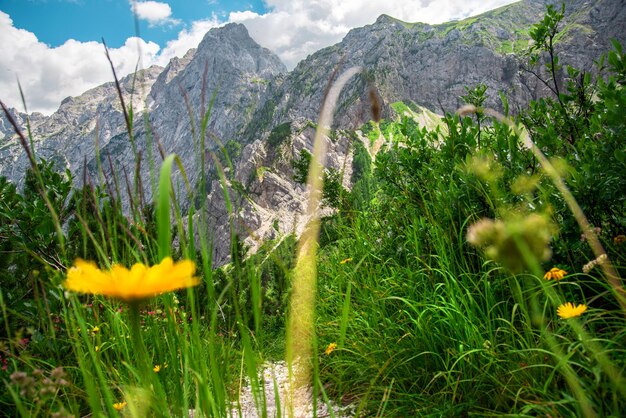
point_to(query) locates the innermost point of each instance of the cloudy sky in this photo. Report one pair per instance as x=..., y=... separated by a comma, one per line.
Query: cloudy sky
x=54, y=46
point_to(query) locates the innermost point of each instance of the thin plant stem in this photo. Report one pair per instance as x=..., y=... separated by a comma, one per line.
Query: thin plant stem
x=300, y=324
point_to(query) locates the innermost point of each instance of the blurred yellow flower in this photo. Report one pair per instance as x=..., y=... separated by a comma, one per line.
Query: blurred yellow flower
x=568, y=310
x=96, y=329
x=620, y=239
x=331, y=347
x=97, y=348
x=344, y=261
x=157, y=368
x=119, y=406
x=555, y=273
x=139, y=282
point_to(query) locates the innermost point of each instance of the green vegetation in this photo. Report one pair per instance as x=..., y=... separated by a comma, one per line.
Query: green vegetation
x=443, y=275
x=279, y=134
x=333, y=192
x=515, y=46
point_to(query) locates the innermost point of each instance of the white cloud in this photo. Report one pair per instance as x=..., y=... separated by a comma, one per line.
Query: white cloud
x=48, y=75
x=155, y=12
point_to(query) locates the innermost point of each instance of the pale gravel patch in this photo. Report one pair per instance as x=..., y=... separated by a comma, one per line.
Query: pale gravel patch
x=276, y=375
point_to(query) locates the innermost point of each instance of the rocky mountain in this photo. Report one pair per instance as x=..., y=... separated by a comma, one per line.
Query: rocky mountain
x=72, y=133
x=407, y=62
x=263, y=114
x=432, y=64
x=228, y=69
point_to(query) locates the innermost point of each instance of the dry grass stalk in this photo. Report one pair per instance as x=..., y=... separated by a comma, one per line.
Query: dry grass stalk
x=300, y=324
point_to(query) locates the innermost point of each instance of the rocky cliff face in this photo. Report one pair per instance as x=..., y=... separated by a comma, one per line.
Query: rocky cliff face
x=71, y=134
x=228, y=73
x=425, y=64
x=432, y=64
x=267, y=202
x=227, y=63
x=252, y=93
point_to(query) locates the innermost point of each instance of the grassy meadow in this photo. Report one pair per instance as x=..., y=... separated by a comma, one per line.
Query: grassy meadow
x=475, y=268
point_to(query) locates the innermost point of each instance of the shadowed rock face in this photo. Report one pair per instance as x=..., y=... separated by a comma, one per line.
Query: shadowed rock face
x=251, y=93
x=229, y=70
x=432, y=64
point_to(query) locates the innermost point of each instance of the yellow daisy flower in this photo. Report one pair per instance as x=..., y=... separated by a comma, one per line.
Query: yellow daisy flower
x=568, y=310
x=119, y=406
x=331, y=347
x=555, y=273
x=139, y=282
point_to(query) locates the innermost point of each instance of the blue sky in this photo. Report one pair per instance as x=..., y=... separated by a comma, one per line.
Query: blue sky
x=56, y=21
x=54, y=46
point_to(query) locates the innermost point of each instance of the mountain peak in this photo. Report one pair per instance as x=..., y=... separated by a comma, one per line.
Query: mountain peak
x=385, y=20
x=234, y=28
x=231, y=43
x=232, y=33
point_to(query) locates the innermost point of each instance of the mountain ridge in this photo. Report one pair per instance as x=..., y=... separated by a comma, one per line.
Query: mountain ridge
x=256, y=98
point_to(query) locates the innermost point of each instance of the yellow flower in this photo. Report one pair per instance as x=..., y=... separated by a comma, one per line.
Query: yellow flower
x=157, y=368
x=555, y=273
x=97, y=348
x=331, y=347
x=139, y=282
x=96, y=329
x=347, y=260
x=119, y=406
x=568, y=310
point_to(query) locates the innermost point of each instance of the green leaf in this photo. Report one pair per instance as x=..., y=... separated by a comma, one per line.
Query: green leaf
x=162, y=203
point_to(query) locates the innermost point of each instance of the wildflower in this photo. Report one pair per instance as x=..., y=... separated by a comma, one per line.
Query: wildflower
x=590, y=265
x=157, y=368
x=500, y=239
x=96, y=329
x=57, y=373
x=589, y=233
x=555, y=273
x=568, y=310
x=619, y=240
x=97, y=349
x=344, y=261
x=119, y=406
x=331, y=347
x=139, y=282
